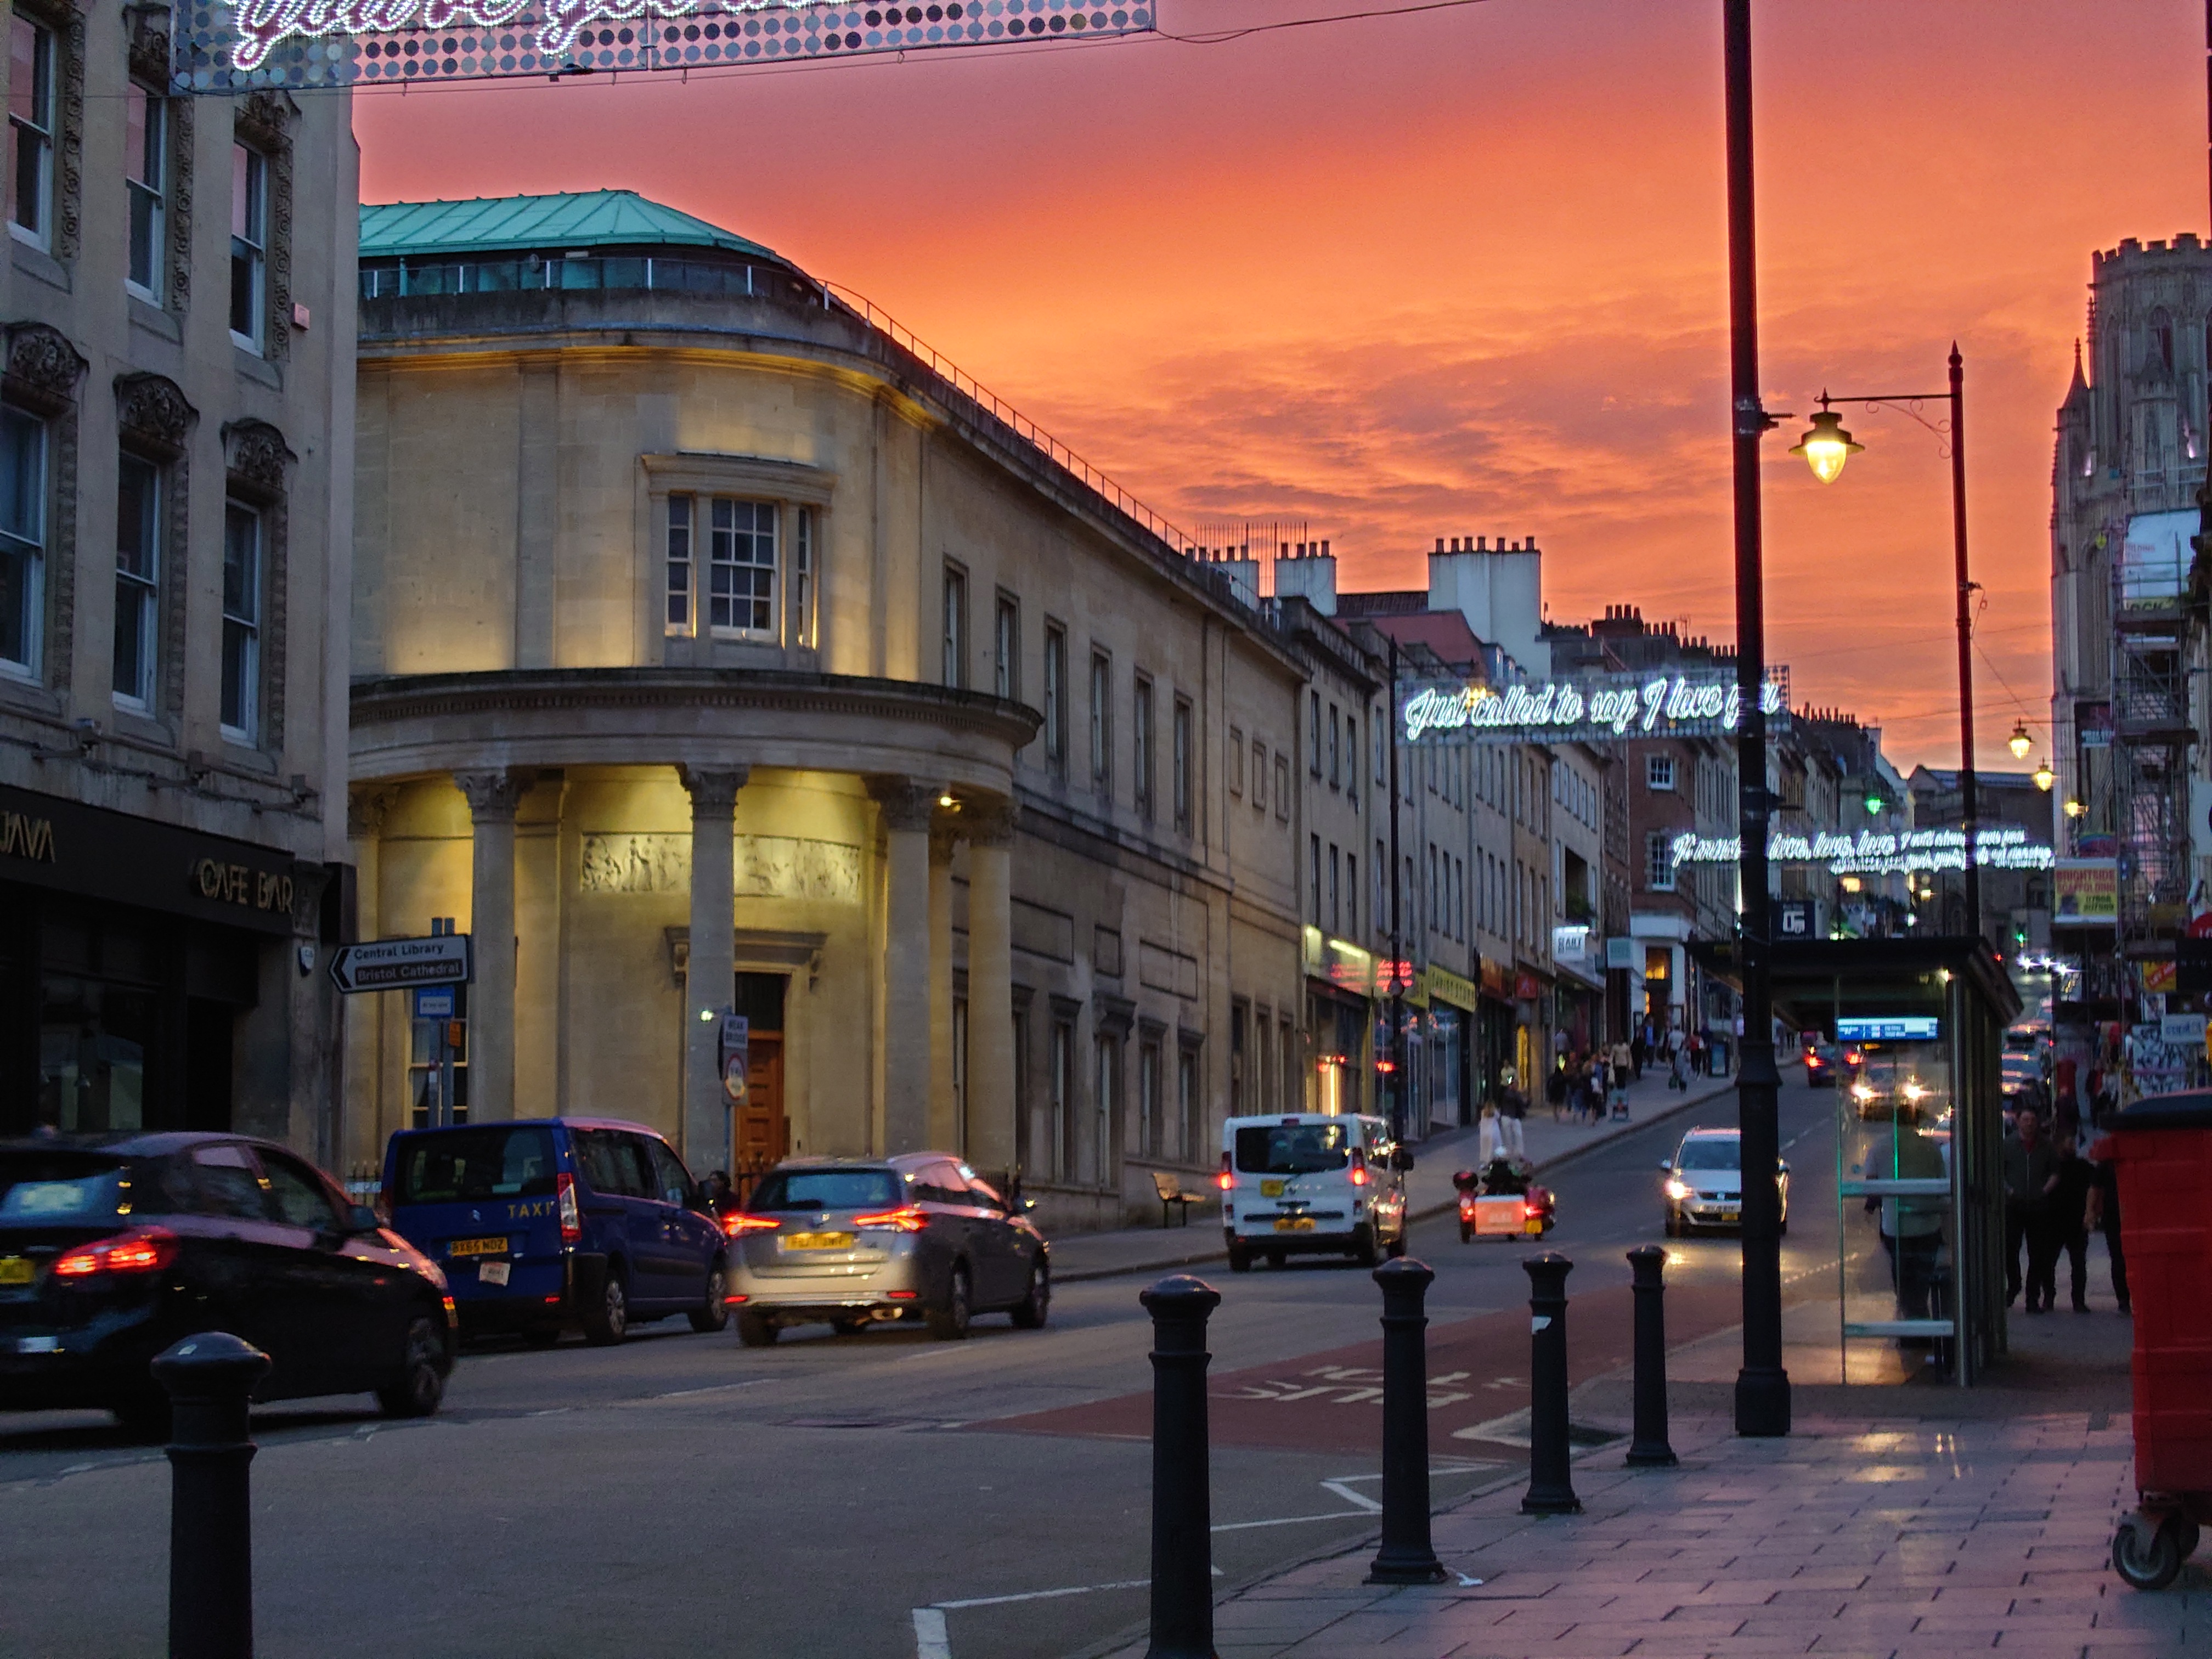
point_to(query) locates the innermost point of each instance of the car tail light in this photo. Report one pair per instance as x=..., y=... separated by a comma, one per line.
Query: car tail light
x=734, y=1300
x=900, y=1296
x=907, y=1219
x=736, y=1224
x=1227, y=1179
x=143, y=1250
x=572, y=1219
x=1359, y=1167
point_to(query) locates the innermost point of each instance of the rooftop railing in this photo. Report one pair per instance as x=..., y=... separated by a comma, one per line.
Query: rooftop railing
x=634, y=273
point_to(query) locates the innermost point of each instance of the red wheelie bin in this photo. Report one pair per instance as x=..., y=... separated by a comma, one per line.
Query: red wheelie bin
x=2162, y=1146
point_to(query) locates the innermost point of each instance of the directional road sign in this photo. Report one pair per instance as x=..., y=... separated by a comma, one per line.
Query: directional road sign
x=395, y=964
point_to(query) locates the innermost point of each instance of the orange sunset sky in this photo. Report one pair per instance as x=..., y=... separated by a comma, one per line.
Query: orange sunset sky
x=1463, y=272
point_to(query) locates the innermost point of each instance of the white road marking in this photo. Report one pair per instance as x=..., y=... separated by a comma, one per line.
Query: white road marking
x=930, y=1640
x=1357, y=1499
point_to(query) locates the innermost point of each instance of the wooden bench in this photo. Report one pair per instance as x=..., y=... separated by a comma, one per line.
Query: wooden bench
x=1172, y=1195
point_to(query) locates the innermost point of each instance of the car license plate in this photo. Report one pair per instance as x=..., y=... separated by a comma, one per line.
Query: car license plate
x=493, y=1273
x=476, y=1247
x=1294, y=1224
x=15, y=1270
x=1271, y=1189
x=1728, y=1213
x=817, y=1241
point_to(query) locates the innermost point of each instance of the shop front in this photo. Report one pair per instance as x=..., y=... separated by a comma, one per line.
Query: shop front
x=152, y=976
x=1578, y=957
x=1448, y=1037
x=1494, y=1028
x=1340, y=1023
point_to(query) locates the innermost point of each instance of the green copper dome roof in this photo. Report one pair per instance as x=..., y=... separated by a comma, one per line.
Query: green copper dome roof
x=551, y=224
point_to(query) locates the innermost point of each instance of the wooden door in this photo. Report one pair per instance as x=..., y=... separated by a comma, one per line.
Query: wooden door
x=764, y=1136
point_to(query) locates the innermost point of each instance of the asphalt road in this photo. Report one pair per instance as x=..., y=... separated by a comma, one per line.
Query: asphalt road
x=682, y=1495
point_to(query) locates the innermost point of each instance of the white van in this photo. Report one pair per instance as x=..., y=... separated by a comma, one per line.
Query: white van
x=1305, y=1183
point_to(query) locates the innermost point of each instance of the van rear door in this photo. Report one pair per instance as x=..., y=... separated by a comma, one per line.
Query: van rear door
x=481, y=1200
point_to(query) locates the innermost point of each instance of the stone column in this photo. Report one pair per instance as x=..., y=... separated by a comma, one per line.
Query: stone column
x=943, y=1133
x=361, y=1109
x=710, y=981
x=906, y=807
x=492, y=797
x=992, y=1095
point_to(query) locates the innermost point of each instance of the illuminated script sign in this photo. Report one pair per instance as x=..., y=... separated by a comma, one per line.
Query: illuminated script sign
x=2000, y=846
x=1596, y=709
x=234, y=45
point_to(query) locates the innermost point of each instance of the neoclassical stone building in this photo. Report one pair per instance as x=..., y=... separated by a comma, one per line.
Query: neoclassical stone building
x=713, y=649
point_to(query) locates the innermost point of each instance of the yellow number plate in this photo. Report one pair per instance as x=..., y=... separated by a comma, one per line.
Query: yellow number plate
x=476, y=1247
x=1294, y=1224
x=1271, y=1189
x=15, y=1270
x=817, y=1241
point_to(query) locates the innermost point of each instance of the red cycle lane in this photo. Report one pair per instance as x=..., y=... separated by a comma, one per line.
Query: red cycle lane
x=1332, y=1401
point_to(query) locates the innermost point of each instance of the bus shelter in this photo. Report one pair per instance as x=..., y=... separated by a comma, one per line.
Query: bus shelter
x=1919, y=1025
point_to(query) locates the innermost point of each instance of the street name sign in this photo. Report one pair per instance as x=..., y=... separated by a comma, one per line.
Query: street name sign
x=397, y=964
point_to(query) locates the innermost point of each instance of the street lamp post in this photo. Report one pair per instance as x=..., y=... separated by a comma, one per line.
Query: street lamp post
x=1826, y=447
x=1762, y=1387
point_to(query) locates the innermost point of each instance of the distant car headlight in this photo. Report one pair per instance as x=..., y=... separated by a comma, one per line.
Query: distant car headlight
x=1916, y=1091
x=1861, y=1092
x=1677, y=1189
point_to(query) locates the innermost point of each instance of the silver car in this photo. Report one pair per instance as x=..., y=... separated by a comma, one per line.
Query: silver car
x=1705, y=1182
x=854, y=1242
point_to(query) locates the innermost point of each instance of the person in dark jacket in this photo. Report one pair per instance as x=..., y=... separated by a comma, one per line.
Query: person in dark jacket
x=2068, y=1220
x=2031, y=1174
x=2102, y=1214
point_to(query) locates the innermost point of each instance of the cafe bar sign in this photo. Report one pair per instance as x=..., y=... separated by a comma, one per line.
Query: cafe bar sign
x=238, y=45
x=1595, y=708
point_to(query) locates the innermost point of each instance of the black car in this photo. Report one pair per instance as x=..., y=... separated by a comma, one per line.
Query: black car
x=113, y=1247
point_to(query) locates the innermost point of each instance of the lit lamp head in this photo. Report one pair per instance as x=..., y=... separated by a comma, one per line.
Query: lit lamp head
x=1825, y=446
x=1873, y=805
x=2020, y=743
x=2044, y=776
x=2075, y=809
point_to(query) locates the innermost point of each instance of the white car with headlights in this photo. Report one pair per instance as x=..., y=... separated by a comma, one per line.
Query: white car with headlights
x=1705, y=1182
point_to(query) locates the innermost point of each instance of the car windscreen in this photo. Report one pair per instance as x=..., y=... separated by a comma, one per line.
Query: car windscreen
x=827, y=1189
x=1715, y=1154
x=491, y=1161
x=1292, y=1148
x=58, y=1188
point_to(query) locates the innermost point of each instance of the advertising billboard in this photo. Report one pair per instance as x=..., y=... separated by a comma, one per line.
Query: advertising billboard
x=2085, y=892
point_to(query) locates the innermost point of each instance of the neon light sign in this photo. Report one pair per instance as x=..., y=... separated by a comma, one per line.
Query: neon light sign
x=2000, y=846
x=1600, y=709
x=235, y=45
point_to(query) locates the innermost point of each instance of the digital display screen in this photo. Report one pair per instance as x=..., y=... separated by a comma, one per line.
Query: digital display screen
x=1892, y=1028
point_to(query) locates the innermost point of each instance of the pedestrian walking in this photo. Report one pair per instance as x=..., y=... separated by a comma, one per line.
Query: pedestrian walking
x=1617, y=1093
x=1555, y=1088
x=1638, y=1049
x=1486, y=1136
x=1678, y=1060
x=1912, y=1227
x=2102, y=1214
x=2031, y=1174
x=1510, y=1116
x=2069, y=1220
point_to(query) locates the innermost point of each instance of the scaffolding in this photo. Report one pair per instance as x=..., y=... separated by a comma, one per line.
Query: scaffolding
x=2152, y=732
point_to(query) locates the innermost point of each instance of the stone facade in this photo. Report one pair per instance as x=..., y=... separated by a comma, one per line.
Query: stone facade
x=176, y=414
x=713, y=651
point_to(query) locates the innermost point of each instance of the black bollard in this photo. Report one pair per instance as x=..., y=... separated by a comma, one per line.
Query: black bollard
x=1649, y=1449
x=1406, y=1556
x=1551, y=1483
x=1182, y=1505
x=209, y=1378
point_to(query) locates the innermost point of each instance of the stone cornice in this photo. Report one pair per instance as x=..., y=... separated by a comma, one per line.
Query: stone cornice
x=416, y=697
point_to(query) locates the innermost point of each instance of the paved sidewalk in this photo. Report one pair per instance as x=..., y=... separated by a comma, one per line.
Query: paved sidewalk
x=1858, y=1537
x=1549, y=1143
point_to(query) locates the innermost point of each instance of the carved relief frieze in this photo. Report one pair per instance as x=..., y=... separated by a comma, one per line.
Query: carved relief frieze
x=766, y=866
